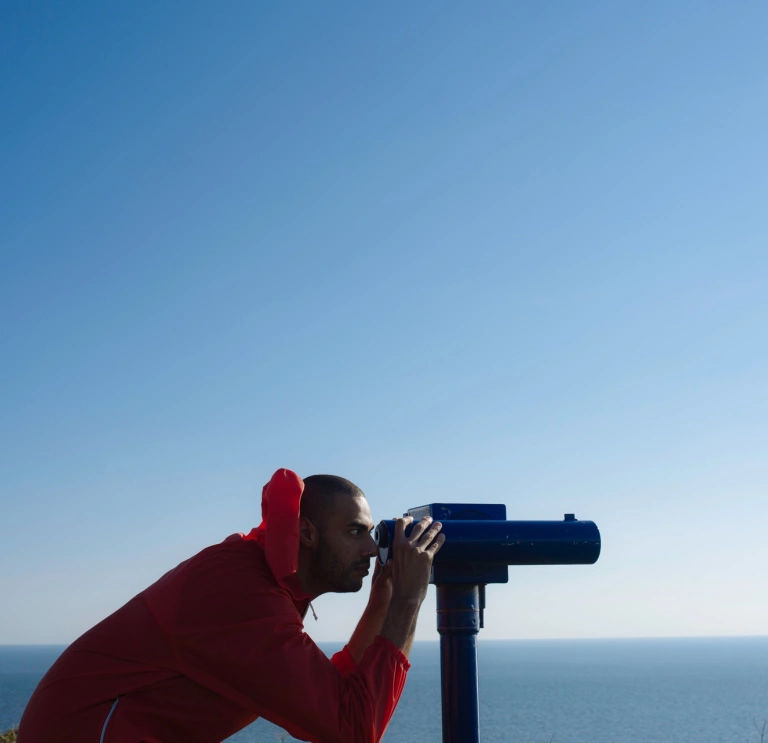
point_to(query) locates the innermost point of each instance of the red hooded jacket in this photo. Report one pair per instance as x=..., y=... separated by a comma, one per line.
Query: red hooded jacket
x=214, y=644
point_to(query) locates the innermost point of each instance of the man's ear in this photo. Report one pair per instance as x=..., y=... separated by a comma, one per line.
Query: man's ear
x=309, y=534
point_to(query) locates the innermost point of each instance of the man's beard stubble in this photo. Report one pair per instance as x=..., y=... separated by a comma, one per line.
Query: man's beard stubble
x=335, y=573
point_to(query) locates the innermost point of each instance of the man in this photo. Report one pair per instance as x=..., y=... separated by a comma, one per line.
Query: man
x=218, y=641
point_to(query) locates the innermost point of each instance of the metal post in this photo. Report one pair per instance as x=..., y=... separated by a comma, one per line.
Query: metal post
x=458, y=621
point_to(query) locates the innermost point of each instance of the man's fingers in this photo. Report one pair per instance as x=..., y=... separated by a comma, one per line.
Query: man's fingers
x=400, y=525
x=434, y=548
x=430, y=534
x=419, y=529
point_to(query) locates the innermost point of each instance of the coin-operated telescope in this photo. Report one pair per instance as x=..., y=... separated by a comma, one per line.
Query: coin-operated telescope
x=479, y=546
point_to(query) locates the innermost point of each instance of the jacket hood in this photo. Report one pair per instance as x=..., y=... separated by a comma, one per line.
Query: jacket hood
x=278, y=533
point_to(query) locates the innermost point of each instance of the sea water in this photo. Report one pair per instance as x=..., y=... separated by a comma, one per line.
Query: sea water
x=693, y=690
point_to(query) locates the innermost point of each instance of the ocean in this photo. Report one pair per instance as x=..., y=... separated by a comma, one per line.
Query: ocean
x=693, y=690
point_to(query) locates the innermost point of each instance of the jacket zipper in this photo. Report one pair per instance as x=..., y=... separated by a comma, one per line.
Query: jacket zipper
x=106, y=722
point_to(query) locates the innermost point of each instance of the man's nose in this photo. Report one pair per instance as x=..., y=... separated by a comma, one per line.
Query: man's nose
x=370, y=547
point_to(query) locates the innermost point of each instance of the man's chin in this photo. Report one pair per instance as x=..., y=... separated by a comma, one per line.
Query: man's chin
x=353, y=585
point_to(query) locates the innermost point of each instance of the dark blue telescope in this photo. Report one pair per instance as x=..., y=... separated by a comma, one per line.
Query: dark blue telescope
x=480, y=545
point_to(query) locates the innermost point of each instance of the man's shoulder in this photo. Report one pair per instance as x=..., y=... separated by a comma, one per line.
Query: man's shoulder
x=231, y=582
x=235, y=556
x=236, y=566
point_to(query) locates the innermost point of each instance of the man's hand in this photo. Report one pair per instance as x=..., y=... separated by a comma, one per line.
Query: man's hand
x=412, y=558
x=411, y=566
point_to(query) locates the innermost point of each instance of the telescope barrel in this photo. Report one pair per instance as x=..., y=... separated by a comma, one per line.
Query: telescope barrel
x=488, y=542
x=479, y=546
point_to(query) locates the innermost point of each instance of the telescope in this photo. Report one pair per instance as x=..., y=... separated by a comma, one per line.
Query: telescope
x=480, y=545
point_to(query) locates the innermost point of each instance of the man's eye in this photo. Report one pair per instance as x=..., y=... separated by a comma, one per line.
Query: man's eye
x=355, y=532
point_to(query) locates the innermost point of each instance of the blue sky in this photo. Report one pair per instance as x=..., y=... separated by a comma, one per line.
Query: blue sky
x=509, y=253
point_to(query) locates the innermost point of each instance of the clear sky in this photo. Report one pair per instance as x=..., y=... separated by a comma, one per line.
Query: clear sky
x=503, y=252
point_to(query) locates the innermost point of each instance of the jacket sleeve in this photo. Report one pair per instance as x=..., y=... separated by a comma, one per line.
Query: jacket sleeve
x=344, y=661
x=243, y=638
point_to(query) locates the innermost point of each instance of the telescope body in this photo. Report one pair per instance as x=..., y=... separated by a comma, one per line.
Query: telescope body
x=479, y=548
x=480, y=545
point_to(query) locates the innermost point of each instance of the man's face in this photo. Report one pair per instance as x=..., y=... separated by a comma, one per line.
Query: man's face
x=346, y=545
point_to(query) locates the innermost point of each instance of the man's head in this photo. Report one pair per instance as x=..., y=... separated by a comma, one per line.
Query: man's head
x=336, y=546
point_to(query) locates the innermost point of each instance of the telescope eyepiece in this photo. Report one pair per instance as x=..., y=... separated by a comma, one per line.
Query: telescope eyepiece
x=381, y=537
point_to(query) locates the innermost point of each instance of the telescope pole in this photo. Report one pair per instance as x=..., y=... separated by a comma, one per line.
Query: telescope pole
x=458, y=622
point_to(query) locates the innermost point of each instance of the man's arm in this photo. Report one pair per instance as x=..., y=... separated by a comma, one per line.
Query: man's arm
x=415, y=562
x=375, y=613
x=411, y=567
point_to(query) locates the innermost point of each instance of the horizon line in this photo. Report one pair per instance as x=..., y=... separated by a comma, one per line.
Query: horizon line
x=490, y=639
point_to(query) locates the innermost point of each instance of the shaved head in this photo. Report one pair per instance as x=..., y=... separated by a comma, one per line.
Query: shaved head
x=320, y=494
x=336, y=546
